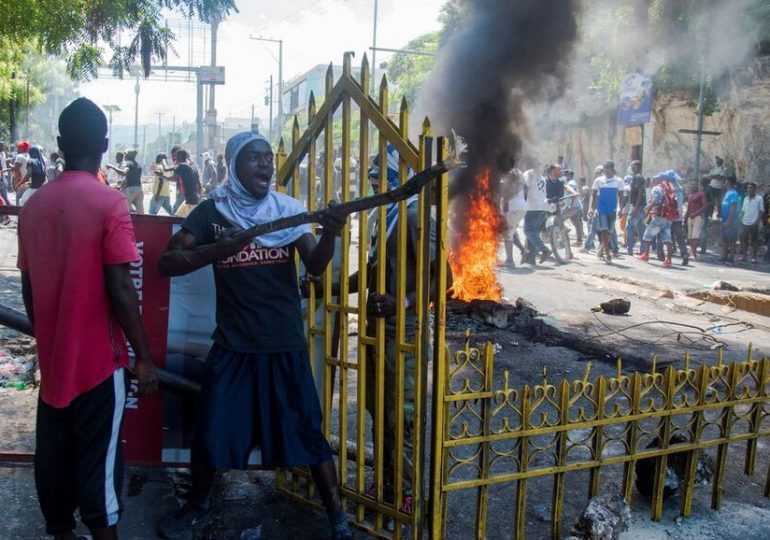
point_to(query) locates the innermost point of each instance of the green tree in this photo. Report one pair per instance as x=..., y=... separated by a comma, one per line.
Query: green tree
x=77, y=30
x=408, y=71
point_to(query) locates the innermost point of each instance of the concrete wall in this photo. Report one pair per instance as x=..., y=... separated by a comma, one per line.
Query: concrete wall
x=743, y=120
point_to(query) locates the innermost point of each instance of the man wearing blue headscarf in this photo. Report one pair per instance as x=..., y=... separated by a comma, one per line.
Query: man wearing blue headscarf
x=258, y=389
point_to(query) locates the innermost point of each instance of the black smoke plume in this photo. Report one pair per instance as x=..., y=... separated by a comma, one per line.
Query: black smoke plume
x=504, y=53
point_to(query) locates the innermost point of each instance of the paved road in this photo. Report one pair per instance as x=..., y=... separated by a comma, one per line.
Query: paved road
x=565, y=295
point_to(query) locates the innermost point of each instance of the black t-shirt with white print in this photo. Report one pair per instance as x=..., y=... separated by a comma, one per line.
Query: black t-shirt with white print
x=258, y=300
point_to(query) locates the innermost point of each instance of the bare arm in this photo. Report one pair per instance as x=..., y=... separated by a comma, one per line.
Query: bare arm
x=121, y=172
x=183, y=254
x=125, y=307
x=316, y=255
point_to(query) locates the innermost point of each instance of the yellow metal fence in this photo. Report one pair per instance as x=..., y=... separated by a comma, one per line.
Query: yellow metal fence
x=497, y=433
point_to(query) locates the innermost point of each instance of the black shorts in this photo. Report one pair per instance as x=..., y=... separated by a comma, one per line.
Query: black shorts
x=79, y=457
x=750, y=233
x=258, y=400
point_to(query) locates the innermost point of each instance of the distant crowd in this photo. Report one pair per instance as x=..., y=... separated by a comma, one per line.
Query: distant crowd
x=661, y=214
x=27, y=168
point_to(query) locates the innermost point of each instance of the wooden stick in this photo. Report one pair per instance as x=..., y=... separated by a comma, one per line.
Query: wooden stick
x=404, y=191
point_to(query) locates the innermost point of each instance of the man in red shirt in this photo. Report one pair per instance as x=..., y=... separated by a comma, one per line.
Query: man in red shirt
x=75, y=245
x=694, y=218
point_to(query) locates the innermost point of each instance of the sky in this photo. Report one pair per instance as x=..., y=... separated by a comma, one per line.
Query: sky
x=313, y=32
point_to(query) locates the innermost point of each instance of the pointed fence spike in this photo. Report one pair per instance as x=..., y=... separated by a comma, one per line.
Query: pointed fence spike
x=426, y=126
x=587, y=373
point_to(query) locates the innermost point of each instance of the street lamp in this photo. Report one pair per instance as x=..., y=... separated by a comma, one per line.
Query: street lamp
x=110, y=109
x=279, y=116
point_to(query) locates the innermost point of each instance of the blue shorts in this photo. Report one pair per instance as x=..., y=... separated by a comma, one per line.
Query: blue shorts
x=258, y=400
x=658, y=226
x=606, y=221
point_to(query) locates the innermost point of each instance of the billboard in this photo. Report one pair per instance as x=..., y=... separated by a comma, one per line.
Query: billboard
x=635, y=100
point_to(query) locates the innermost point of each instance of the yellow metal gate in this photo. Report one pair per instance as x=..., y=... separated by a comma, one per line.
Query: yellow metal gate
x=337, y=328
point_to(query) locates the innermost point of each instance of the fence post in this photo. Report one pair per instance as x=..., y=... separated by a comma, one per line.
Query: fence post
x=756, y=414
x=695, y=435
x=600, y=391
x=521, y=484
x=632, y=437
x=664, y=437
x=437, y=502
x=559, y=486
x=726, y=428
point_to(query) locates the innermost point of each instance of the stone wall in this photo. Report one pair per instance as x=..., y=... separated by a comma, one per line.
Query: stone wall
x=743, y=120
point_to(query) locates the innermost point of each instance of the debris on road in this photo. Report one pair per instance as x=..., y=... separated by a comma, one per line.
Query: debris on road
x=605, y=517
x=616, y=306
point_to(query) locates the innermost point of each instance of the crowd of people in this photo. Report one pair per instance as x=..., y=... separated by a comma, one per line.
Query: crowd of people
x=24, y=171
x=657, y=214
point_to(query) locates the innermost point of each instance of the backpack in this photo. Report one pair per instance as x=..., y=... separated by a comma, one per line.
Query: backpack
x=670, y=207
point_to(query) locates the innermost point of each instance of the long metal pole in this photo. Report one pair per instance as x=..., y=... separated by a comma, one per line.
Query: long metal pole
x=271, y=108
x=375, y=82
x=280, y=85
x=699, y=134
x=136, y=113
x=212, y=115
x=109, y=147
x=199, y=118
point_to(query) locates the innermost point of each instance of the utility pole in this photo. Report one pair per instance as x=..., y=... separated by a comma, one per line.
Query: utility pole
x=279, y=115
x=270, y=99
x=375, y=83
x=211, y=117
x=110, y=109
x=136, y=113
x=699, y=134
x=160, y=129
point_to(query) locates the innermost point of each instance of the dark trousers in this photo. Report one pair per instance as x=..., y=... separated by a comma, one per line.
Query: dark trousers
x=679, y=237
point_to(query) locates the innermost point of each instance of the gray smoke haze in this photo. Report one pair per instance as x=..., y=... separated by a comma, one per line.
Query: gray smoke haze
x=506, y=53
x=646, y=37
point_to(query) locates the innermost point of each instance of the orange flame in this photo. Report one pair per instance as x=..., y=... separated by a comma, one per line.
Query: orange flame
x=473, y=259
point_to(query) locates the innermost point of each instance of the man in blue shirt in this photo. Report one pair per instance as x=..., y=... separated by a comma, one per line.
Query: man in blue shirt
x=604, y=203
x=730, y=222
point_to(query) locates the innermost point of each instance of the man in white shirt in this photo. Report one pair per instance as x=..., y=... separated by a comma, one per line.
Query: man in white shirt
x=605, y=194
x=751, y=215
x=537, y=213
x=514, y=206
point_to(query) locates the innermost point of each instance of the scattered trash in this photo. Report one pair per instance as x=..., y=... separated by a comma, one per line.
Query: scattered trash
x=497, y=347
x=724, y=286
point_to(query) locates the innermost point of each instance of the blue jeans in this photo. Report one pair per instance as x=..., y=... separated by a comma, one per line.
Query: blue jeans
x=595, y=230
x=533, y=222
x=634, y=230
x=162, y=202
